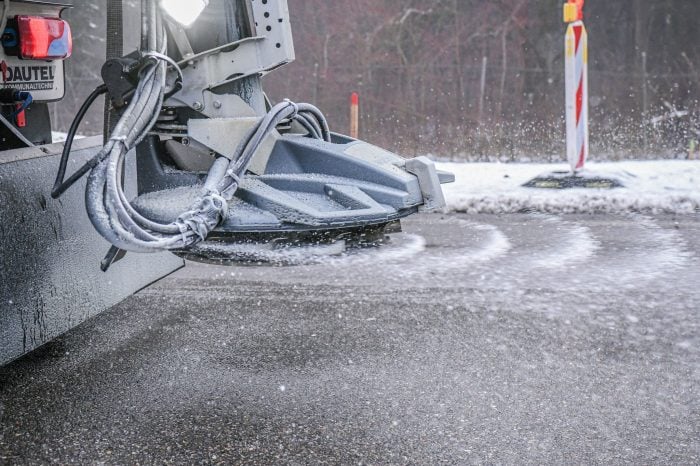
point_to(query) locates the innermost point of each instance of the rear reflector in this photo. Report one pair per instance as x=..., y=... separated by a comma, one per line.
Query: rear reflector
x=44, y=38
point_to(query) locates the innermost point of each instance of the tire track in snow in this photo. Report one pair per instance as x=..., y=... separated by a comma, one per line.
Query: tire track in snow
x=402, y=247
x=489, y=245
x=409, y=256
x=577, y=246
x=533, y=252
x=651, y=252
x=655, y=253
x=493, y=247
x=558, y=244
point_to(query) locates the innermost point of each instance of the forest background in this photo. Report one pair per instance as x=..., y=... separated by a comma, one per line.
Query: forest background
x=471, y=79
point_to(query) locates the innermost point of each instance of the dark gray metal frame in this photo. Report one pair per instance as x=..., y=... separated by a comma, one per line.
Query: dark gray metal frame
x=50, y=277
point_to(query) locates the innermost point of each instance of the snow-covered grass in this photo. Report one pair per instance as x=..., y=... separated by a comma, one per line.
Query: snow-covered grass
x=668, y=186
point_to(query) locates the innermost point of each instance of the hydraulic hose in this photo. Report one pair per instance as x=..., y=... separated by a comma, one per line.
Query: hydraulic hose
x=60, y=186
x=125, y=228
x=15, y=131
x=107, y=204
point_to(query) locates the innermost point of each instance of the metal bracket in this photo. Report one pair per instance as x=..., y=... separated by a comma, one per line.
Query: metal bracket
x=222, y=135
x=177, y=32
x=429, y=181
x=208, y=74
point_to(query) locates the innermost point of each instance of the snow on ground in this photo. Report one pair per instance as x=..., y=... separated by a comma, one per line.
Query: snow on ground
x=668, y=186
x=58, y=136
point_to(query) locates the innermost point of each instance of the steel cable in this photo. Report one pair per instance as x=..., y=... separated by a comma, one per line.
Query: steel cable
x=108, y=206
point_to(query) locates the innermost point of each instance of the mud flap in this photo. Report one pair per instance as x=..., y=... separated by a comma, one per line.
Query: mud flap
x=50, y=277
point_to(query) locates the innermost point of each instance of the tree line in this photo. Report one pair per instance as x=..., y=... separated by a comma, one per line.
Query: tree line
x=481, y=79
x=484, y=78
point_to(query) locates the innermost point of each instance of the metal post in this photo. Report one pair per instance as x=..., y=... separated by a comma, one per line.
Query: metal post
x=482, y=89
x=645, y=100
x=355, y=115
x=576, y=86
x=314, y=100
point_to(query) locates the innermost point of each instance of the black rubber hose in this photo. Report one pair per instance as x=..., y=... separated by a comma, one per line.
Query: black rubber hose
x=60, y=186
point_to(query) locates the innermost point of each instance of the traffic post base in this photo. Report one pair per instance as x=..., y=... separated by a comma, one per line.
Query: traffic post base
x=567, y=180
x=577, y=145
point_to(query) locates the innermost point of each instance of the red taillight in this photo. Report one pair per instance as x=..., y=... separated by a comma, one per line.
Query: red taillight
x=44, y=38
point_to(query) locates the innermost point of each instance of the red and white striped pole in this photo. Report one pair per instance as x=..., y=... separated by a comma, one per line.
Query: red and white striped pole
x=576, y=86
x=355, y=115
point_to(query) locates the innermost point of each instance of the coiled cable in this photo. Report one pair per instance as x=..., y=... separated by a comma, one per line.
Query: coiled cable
x=107, y=204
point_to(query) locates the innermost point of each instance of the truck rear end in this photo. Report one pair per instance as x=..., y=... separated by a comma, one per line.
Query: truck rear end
x=50, y=277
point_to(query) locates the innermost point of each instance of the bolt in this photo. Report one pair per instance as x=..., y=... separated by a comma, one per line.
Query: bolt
x=198, y=106
x=217, y=104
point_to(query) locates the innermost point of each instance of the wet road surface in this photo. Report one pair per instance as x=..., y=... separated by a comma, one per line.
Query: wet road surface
x=520, y=339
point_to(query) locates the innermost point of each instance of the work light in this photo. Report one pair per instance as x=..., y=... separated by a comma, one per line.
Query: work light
x=184, y=12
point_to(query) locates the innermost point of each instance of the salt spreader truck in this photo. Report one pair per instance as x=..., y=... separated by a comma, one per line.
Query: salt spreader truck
x=195, y=161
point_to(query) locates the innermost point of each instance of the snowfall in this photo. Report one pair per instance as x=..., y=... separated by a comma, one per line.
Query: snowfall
x=663, y=186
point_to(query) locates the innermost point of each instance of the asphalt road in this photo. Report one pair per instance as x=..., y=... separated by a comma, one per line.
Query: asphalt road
x=521, y=339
